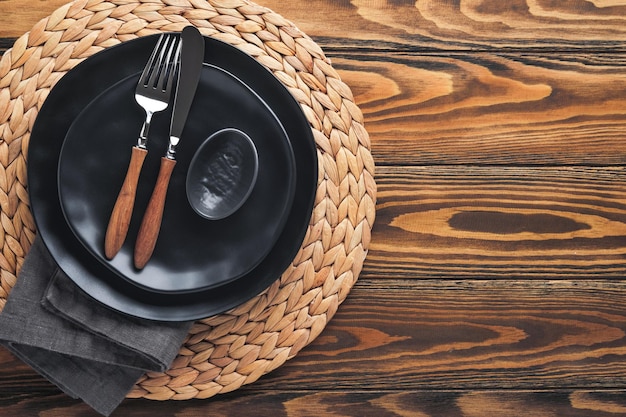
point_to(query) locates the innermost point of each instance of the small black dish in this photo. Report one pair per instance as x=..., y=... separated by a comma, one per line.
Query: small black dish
x=222, y=174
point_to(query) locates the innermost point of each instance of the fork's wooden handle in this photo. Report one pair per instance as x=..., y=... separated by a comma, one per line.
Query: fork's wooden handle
x=123, y=209
x=151, y=223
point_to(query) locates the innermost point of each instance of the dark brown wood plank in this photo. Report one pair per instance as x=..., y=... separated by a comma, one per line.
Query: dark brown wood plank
x=499, y=222
x=302, y=403
x=502, y=334
x=488, y=340
x=479, y=108
x=15, y=19
x=435, y=106
x=469, y=25
x=438, y=334
x=409, y=24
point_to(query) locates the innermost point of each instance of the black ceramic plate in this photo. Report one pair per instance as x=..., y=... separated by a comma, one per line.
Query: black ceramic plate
x=65, y=102
x=192, y=253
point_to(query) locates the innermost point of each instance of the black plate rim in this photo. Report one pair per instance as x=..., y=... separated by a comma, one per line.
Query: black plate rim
x=203, y=304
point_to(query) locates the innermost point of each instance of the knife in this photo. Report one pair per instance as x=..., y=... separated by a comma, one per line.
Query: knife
x=192, y=57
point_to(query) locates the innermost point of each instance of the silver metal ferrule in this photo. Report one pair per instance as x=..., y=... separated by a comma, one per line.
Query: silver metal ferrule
x=145, y=128
x=171, y=148
x=143, y=136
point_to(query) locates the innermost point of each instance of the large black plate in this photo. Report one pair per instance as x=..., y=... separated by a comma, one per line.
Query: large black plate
x=192, y=253
x=71, y=95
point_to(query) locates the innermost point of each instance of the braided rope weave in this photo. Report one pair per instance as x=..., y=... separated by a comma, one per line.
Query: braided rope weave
x=226, y=351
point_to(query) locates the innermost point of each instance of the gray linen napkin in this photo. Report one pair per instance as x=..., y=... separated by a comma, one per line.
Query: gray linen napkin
x=89, y=351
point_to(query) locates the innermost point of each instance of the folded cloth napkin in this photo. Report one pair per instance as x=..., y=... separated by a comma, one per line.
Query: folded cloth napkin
x=88, y=350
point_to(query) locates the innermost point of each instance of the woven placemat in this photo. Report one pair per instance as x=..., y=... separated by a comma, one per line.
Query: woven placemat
x=224, y=352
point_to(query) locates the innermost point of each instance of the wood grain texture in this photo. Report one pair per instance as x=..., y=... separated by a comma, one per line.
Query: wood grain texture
x=465, y=25
x=16, y=19
x=447, y=25
x=499, y=222
x=485, y=344
x=436, y=106
x=484, y=108
x=119, y=222
x=490, y=109
x=470, y=334
x=151, y=222
x=303, y=403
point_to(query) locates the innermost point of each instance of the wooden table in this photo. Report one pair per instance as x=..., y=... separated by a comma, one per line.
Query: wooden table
x=494, y=283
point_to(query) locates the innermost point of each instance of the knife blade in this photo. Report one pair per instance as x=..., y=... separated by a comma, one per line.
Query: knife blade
x=192, y=56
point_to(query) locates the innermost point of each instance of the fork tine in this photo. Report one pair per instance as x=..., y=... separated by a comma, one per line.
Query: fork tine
x=173, y=68
x=171, y=64
x=158, y=64
x=150, y=65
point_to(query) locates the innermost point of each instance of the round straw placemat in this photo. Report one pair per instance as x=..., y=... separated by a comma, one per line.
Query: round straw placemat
x=226, y=351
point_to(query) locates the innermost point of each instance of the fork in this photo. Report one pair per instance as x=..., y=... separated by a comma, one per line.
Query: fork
x=153, y=93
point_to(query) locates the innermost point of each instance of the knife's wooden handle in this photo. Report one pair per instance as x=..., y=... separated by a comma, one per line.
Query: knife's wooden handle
x=151, y=223
x=123, y=209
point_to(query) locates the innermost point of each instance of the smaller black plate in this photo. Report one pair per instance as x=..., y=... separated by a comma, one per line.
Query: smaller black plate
x=192, y=253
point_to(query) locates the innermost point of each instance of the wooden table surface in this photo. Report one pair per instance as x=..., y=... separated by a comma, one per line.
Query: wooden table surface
x=494, y=285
